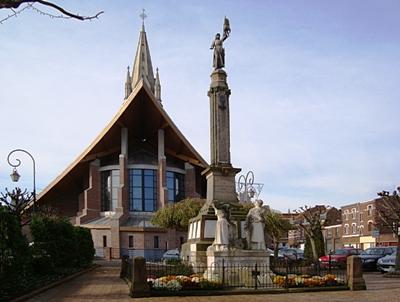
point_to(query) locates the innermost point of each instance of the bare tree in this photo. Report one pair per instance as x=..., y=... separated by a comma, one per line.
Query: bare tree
x=309, y=220
x=388, y=217
x=277, y=227
x=16, y=8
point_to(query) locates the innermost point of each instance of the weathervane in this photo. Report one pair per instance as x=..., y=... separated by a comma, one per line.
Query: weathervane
x=217, y=45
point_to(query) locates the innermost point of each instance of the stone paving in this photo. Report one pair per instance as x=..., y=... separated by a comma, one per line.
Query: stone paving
x=104, y=284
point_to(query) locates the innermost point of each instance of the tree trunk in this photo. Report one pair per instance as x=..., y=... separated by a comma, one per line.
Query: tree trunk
x=397, y=263
x=314, y=249
x=276, y=244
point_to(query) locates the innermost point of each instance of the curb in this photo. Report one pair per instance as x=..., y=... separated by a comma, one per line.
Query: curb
x=54, y=284
x=247, y=291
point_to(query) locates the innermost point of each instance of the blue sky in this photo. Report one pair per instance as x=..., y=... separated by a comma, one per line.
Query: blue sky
x=315, y=88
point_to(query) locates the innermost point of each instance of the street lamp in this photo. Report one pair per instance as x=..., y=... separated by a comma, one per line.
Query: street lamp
x=246, y=187
x=15, y=175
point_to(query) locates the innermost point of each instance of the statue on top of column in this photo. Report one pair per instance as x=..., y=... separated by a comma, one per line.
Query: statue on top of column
x=217, y=45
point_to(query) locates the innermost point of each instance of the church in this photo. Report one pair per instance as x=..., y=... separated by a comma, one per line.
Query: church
x=139, y=163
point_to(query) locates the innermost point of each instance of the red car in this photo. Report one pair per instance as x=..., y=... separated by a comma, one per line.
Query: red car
x=338, y=257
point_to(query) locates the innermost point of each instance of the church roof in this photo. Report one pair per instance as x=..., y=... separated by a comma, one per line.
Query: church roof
x=143, y=115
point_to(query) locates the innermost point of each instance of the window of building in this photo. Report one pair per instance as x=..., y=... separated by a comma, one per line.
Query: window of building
x=346, y=229
x=130, y=243
x=109, y=190
x=156, y=242
x=361, y=216
x=346, y=214
x=369, y=209
x=337, y=232
x=353, y=213
x=104, y=241
x=176, y=186
x=354, y=228
x=370, y=225
x=142, y=190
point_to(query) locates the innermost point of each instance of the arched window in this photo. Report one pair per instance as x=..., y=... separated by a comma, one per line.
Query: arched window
x=346, y=229
x=369, y=209
x=353, y=213
x=354, y=228
x=370, y=226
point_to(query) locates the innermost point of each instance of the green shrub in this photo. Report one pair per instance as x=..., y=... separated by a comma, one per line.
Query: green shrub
x=64, y=245
x=14, y=251
x=85, y=247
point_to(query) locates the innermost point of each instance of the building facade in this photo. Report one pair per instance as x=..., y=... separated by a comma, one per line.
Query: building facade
x=139, y=163
x=358, y=225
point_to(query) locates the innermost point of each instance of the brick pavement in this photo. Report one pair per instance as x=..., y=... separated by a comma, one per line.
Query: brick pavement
x=103, y=284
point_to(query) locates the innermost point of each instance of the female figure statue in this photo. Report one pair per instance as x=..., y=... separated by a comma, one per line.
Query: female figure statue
x=219, y=51
x=254, y=227
x=221, y=241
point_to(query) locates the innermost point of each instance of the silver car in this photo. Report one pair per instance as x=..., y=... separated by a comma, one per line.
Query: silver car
x=387, y=263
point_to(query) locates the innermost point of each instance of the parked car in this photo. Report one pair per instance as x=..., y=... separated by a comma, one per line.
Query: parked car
x=173, y=254
x=290, y=253
x=370, y=256
x=387, y=263
x=338, y=257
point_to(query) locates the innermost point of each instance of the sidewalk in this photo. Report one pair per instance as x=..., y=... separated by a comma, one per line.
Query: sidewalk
x=104, y=284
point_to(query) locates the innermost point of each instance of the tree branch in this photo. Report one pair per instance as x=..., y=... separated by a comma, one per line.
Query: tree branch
x=12, y=4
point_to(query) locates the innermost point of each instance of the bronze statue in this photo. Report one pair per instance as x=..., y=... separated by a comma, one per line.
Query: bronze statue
x=217, y=45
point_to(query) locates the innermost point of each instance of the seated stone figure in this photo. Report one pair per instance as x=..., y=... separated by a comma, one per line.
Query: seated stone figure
x=254, y=227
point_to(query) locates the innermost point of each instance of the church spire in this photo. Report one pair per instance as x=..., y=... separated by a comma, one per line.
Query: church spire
x=157, y=87
x=128, y=84
x=142, y=67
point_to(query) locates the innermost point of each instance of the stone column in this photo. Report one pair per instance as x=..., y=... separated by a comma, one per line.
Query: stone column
x=123, y=191
x=162, y=171
x=190, y=181
x=219, y=119
x=122, y=209
x=220, y=175
x=355, y=278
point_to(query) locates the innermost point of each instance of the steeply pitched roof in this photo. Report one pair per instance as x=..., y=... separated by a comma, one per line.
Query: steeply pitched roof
x=142, y=69
x=143, y=115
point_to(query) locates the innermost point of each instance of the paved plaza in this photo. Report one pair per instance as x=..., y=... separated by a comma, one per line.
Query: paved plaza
x=104, y=284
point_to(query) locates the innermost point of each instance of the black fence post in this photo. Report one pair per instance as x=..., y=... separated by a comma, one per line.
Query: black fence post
x=255, y=277
x=223, y=272
x=330, y=263
x=287, y=274
x=124, y=266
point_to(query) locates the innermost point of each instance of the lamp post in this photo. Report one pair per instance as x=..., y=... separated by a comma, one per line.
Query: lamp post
x=15, y=176
x=246, y=187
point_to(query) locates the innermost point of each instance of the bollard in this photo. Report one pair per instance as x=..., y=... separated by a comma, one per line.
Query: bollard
x=355, y=278
x=139, y=287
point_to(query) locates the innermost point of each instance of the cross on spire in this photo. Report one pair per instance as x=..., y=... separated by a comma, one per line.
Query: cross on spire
x=143, y=16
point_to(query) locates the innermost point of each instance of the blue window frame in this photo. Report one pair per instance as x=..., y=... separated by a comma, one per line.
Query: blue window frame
x=142, y=190
x=176, y=186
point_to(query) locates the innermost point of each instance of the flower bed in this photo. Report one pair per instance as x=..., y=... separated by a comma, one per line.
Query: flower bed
x=177, y=283
x=307, y=280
